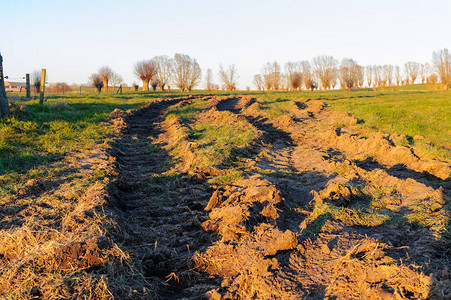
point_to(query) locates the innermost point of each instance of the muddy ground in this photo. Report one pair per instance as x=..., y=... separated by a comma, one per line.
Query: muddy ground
x=321, y=213
x=310, y=208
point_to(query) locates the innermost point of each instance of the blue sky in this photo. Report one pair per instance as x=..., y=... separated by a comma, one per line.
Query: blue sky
x=72, y=39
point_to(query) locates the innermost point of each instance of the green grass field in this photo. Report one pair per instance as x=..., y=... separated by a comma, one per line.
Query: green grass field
x=73, y=122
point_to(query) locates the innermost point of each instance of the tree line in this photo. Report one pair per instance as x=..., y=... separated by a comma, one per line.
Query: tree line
x=326, y=72
x=322, y=72
x=161, y=71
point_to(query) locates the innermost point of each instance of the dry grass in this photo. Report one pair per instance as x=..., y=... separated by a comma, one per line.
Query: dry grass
x=53, y=237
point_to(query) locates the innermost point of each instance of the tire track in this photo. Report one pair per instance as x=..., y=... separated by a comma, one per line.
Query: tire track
x=298, y=175
x=159, y=212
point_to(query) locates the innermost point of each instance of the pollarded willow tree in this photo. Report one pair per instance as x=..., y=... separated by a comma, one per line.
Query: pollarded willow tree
x=387, y=71
x=424, y=72
x=360, y=76
x=398, y=75
x=272, y=76
x=145, y=70
x=293, y=75
x=349, y=74
x=324, y=67
x=165, y=68
x=412, y=69
x=441, y=63
x=4, y=107
x=258, y=82
x=36, y=81
x=307, y=75
x=369, y=75
x=229, y=77
x=378, y=76
x=154, y=83
x=209, y=84
x=187, y=72
x=97, y=82
x=106, y=74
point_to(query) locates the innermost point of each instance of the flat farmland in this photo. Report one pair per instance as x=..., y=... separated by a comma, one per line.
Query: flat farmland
x=249, y=195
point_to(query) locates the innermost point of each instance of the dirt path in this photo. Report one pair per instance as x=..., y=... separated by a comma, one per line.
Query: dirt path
x=321, y=212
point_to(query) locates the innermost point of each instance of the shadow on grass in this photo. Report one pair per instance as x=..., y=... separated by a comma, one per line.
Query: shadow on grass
x=400, y=171
x=22, y=164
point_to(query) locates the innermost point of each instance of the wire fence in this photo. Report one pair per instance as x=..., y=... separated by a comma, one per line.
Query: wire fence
x=16, y=90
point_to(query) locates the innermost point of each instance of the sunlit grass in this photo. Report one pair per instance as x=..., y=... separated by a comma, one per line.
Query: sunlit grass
x=418, y=112
x=65, y=124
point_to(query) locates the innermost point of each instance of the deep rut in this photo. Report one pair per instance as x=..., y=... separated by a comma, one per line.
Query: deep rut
x=159, y=211
x=304, y=221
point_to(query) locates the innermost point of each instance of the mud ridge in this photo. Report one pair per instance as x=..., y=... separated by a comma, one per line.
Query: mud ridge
x=299, y=225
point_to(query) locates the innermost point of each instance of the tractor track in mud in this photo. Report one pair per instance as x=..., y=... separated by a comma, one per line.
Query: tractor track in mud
x=305, y=168
x=260, y=238
x=158, y=214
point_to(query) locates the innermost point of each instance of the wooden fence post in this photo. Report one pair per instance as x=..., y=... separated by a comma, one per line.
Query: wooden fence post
x=119, y=90
x=27, y=80
x=41, y=97
x=4, y=107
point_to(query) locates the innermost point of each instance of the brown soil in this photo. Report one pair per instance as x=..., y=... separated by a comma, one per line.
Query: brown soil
x=320, y=213
x=272, y=247
x=270, y=244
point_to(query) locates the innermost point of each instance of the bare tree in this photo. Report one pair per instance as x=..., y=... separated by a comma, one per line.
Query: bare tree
x=105, y=74
x=36, y=81
x=378, y=75
x=97, y=82
x=267, y=81
x=360, y=76
x=412, y=70
x=324, y=68
x=258, y=82
x=433, y=79
x=187, y=72
x=4, y=107
x=285, y=84
x=348, y=74
x=398, y=75
x=116, y=80
x=145, y=70
x=335, y=79
x=388, y=74
x=272, y=76
x=369, y=75
x=424, y=72
x=165, y=68
x=293, y=75
x=441, y=63
x=154, y=83
x=307, y=76
x=209, y=85
x=229, y=77
x=312, y=84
